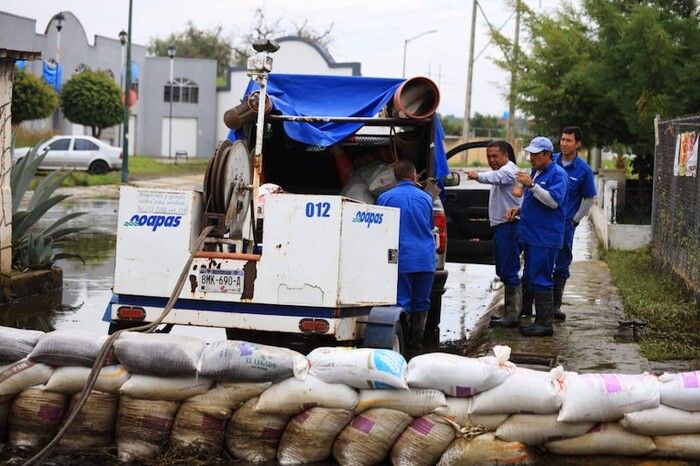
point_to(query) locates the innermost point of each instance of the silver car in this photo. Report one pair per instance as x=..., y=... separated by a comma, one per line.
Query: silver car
x=77, y=153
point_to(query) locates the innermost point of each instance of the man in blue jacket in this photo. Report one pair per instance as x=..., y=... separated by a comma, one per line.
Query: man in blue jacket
x=541, y=230
x=416, y=247
x=579, y=201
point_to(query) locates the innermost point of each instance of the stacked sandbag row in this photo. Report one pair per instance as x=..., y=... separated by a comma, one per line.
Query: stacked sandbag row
x=359, y=406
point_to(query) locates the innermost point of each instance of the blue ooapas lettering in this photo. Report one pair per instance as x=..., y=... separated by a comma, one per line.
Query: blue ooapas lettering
x=154, y=221
x=368, y=218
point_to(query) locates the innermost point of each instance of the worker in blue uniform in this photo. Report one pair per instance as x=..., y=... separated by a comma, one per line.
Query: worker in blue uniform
x=506, y=251
x=579, y=201
x=541, y=230
x=416, y=248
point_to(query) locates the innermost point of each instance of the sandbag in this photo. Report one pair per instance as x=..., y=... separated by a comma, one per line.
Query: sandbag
x=292, y=396
x=199, y=427
x=72, y=379
x=5, y=403
x=309, y=436
x=146, y=387
x=359, y=368
x=415, y=402
x=536, y=429
x=681, y=391
x=16, y=343
x=241, y=361
x=682, y=446
x=485, y=449
x=607, y=438
x=93, y=427
x=368, y=439
x=143, y=427
x=662, y=420
x=607, y=397
x=458, y=411
x=159, y=354
x=23, y=374
x=67, y=347
x=423, y=442
x=35, y=416
x=230, y=395
x=252, y=436
x=457, y=375
x=524, y=391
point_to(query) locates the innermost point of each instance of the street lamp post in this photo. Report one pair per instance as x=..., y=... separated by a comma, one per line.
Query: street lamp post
x=127, y=100
x=405, y=46
x=57, y=82
x=171, y=54
x=122, y=39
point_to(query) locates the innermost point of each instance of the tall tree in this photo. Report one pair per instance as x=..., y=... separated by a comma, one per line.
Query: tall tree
x=93, y=99
x=195, y=43
x=32, y=98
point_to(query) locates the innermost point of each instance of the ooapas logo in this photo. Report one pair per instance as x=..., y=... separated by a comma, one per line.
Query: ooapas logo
x=368, y=218
x=154, y=221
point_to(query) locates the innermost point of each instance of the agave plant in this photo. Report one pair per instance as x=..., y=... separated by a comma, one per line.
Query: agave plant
x=32, y=246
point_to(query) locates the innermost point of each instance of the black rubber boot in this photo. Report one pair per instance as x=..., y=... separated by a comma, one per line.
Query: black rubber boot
x=544, y=313
x=559, y=284
x=526, y=300
x=418, y=320
x=513, y=307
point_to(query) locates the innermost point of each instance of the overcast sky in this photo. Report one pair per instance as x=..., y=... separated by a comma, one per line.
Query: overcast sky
x=372, y=32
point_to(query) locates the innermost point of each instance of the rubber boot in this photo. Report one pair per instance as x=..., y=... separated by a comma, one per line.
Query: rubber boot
x=559, y=284
x=526, y=300
x=418, y=320
x=513, y=307
x=544, y=314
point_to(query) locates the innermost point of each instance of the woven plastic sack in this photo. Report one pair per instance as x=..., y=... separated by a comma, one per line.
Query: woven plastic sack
x=292, y=396
x=681, y=391
x=485, y=449
x=368, y=439
x=538, y=429
x=94, y=425
x=662, y=420
x=458, y=411
x=309, y=436
x=16, y=343
x=199, y=427
x=146, y=387
x=241, y=361
x=423, y=442
x=23, y=374
x=143, y=427
x=607, y=438
x=67, y=347
x=159, y=354
x=72, y=379
x=682, y=446
x=35, y=416
x=252, y=436
x=607, y=397
x=230, y=395
x=359, y=368
x=416, y=402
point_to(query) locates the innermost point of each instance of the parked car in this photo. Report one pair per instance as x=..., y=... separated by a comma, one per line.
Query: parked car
x=77, y=153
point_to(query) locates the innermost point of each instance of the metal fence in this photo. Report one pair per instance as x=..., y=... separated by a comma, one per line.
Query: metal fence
x=676, y=201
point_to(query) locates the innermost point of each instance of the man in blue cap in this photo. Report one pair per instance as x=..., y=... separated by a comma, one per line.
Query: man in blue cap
x=541, y=230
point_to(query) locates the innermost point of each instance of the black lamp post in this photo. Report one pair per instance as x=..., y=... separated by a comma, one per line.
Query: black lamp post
x=122, y=40
x=171, y=54
x=127, y=101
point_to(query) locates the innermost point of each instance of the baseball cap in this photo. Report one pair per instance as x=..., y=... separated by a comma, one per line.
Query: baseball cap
x=539, y=144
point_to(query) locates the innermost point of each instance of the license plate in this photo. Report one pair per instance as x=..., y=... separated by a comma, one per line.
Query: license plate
x=221, y=281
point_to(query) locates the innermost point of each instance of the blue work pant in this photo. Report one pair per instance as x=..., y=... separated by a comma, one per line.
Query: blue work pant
x=506, y=252
x=539, y=267
x=414, y=291
x=566, y=255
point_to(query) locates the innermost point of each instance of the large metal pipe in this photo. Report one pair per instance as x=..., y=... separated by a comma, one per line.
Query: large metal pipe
x=245, y=112
x=417, y=97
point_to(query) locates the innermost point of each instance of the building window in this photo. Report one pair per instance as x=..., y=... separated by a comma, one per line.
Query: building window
x=183, y=90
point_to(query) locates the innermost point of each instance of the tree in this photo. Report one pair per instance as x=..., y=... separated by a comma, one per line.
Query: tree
x=93, y=99
x=32, y=98
x=195, y=43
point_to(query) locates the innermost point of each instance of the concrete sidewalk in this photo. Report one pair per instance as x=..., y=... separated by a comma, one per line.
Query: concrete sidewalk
x=586, y=341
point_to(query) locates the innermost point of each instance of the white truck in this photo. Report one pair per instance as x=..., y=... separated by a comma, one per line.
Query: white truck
x=319, y=268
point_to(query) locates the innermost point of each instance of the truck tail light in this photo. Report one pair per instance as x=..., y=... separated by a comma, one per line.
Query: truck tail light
x=131, y=313
x=441, y=223
x=316, y=326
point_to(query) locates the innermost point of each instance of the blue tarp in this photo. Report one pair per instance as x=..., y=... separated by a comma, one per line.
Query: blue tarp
x=52, y=74
x=335, y=96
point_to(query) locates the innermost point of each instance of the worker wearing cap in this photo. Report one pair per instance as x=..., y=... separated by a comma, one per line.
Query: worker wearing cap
x=541, y=230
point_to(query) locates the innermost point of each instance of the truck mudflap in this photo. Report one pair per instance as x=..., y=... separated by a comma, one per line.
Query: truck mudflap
x=344, y=324
x=384, y=323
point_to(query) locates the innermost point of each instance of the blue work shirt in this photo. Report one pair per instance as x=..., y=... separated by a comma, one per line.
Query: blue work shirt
x=581, y=183
x=541, y=225
x=416, y=240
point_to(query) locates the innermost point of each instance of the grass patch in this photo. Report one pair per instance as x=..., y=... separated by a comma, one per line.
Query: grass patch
x=650, y=295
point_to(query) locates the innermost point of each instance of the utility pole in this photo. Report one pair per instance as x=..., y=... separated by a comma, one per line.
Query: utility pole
x=510, y=131
x=470, y=71
x=127, y=102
